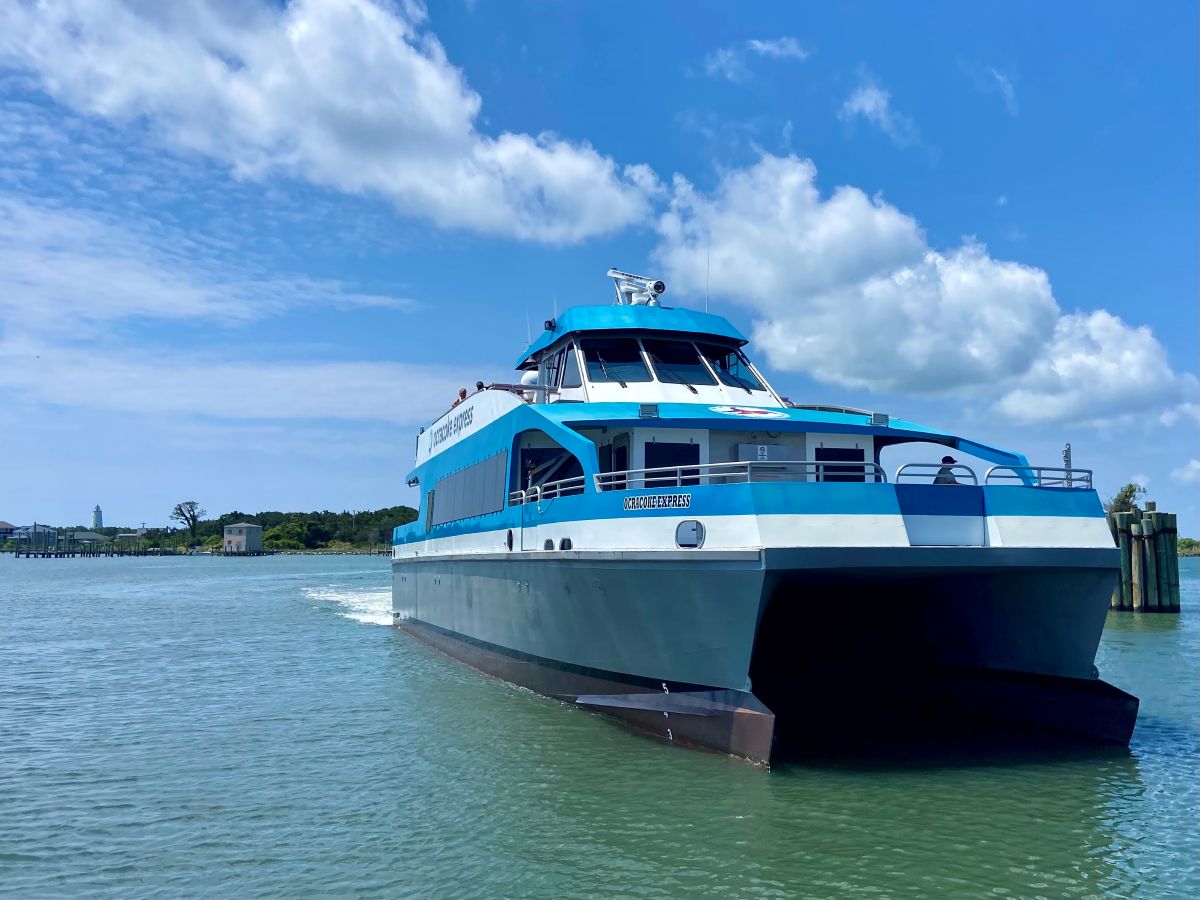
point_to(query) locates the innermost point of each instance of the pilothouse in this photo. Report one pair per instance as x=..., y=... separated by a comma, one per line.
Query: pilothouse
x=640, y=524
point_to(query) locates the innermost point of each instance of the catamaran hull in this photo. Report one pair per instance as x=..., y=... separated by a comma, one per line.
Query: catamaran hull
x=708, y=648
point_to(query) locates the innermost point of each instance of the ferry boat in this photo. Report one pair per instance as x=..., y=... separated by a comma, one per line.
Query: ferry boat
x=643, y=526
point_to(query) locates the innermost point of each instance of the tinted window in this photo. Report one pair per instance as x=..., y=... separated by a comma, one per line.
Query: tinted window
x=571, y=377
x=660, y=454
x=474, y=491
x=731, y=367
x=841, y=473
x=677, y=362
x=614, y=359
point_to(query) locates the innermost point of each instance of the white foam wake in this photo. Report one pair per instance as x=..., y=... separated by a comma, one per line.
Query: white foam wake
x=362, y=605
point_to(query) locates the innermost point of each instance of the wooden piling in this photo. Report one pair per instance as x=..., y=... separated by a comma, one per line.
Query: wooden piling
x=1150, y=595
x=1171, y=534
x=1114, y=601
x=1135, y=565
x=1163, y=560
x=1124, y=542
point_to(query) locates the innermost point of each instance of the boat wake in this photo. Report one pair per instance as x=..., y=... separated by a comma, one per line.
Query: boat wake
x=371, y=607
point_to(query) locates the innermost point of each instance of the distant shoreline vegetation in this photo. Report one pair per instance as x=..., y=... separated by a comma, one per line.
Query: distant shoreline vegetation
x=322, y=531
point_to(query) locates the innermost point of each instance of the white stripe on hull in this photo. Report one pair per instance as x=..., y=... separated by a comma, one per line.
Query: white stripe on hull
x=770, y=531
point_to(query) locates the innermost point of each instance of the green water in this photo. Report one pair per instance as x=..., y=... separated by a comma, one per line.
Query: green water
x=213, y=727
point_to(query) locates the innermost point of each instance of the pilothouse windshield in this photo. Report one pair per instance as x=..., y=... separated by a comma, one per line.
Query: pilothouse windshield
x=731, y=367
x=614, y=360
x=677, y=362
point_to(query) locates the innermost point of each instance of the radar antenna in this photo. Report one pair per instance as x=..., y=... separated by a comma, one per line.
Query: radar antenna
x=636, y=290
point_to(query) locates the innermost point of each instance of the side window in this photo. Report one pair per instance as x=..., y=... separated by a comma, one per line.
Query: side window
x=571, y=377
x=550, y=369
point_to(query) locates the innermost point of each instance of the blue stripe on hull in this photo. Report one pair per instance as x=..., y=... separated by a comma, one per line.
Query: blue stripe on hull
x=792, y=498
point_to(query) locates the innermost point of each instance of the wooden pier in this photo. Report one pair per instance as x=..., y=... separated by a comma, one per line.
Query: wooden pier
x=1149, y=545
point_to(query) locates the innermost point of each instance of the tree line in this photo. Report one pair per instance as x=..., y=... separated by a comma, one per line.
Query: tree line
x=315, y=530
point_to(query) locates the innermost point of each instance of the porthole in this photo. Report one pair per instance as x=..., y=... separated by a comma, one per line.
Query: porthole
x=548, y=544
x=564, y=544
x=509, y=540
x=689, y=534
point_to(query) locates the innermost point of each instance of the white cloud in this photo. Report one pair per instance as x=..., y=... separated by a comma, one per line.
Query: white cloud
x=134, y=380
x=1005, y=86
x=871, y=102
x=347, y=94
x=846, y=289
x=1189, y=473
x=1095, y=368
x=730, y=62
x=69, y=271
x=779, y=48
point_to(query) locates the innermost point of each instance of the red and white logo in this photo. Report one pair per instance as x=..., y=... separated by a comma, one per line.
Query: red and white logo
x=750, y=412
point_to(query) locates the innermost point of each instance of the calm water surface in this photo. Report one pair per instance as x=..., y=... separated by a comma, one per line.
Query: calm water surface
x=214, y=727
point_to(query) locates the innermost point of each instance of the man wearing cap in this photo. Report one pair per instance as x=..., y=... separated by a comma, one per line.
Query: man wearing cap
x=945, y=474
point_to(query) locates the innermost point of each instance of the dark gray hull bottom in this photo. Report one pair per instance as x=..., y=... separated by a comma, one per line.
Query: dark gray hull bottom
x=825, y=647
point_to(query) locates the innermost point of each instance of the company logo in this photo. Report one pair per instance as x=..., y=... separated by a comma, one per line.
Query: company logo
x=659, y=501
x=452, y=427
x=749, y=412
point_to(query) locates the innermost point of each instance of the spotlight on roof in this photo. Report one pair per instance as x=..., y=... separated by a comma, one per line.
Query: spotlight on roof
x=636, y=290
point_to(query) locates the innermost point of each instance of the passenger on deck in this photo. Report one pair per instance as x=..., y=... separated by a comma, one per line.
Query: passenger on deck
x=462, y=395
x=945, y=474
x=478, y=386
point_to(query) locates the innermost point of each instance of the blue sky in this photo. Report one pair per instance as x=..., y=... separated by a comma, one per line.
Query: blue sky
x=246, y=249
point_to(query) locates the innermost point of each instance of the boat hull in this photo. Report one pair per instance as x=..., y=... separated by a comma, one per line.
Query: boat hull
x=705, y=648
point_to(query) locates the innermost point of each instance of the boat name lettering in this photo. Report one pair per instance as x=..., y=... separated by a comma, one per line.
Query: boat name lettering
x=659, y=501
x=451, y=427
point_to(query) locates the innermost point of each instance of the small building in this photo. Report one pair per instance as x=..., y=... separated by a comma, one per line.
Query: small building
x=243, y=537
x=86, y=537
x=7, y=530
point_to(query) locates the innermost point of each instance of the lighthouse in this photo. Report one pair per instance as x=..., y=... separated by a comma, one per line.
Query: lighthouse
x=97, y=518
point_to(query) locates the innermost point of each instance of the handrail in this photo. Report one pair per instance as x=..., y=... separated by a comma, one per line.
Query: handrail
x=551, y=490
x=1080, y=479
x=934, y=470
x=739, y=472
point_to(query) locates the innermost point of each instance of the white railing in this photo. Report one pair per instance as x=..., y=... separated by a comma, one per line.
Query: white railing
x=551, y=490
x=1039, y=476
x=799, y=470
x=738, y=473
x=931, y=472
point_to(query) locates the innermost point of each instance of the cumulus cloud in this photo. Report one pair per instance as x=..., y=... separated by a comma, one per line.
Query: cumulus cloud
x=874, y=104
x=1189, y=473
x=731, y=64
x=846, y=288
x=1095, y=368
x=347, y=94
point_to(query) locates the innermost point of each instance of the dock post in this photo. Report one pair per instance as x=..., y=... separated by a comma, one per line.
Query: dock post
x=1124, y=542
x=1162, y=560
x=1171, y=533
x=1150, y=595
x=1115, y=601
x=1135, y=560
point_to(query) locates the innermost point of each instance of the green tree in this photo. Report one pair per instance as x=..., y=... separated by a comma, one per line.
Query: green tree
x=1189, y=547
x=188, y=513
x=1126, y=499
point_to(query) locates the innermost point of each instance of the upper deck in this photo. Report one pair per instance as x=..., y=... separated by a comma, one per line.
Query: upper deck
x=632, y=395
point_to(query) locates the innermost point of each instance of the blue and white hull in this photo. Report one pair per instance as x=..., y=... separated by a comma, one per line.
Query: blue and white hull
x=705, y=646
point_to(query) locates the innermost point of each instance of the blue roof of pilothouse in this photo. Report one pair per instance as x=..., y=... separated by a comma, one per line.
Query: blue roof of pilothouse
x=634, y=318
